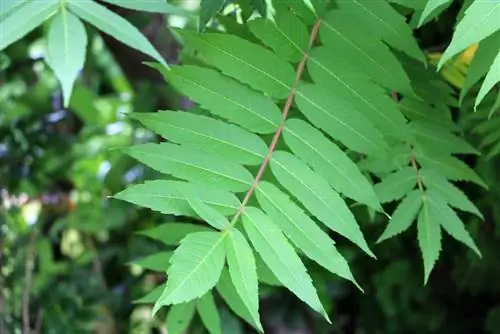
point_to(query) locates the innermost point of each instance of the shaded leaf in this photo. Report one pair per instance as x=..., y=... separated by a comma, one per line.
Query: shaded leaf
x=492, y=78
x=172, y=233
x=396, y=185
x=208, y=9
x=179, y=316
x=157, y=262
x=209, y=313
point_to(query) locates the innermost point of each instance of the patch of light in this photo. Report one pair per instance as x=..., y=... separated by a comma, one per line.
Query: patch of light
x=104, y=168
x=115, y=128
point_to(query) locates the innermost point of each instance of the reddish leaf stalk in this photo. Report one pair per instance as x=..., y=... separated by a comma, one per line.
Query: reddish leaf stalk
x=277, y=134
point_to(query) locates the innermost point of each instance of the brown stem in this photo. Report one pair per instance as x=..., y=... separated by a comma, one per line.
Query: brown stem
x=274, y=142
x=28, y=277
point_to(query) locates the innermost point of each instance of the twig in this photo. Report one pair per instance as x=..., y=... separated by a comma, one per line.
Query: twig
x=274, y=142
x=28, y=277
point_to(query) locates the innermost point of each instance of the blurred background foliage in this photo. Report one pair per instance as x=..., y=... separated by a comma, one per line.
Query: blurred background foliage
x=67, y=248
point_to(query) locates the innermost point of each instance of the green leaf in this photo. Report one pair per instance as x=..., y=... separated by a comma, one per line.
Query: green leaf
x=385, y=22
x=167, y=196
x=396, y=185
x=281, y=258
x=179, y=316
x=8, y=6
x=152, y=6
x=442, y=214
x=429, y=237
x=208, y=9
x=317, y=196
x=226, y=97
x=403, y=216
x=453, y=196
x=213, y=217
x=329, y=161
x=156, y=262
x=66, y=46
x=114, y=25
x=287, y=36
x=449, y=167
x=432, y=137
x=25, y=18
x=172, y=233
x=264, y=274
x=243, y=272
x=339, y=119
x=431, y=6
x=302, y=230
x=480, y=21
x=228, y=292
x=247, y=62
x=193, y=165
x=196, y=267
x=207, y=134
x=209, y=313
x=483, y=58
x=151, y=296
x=421, y=111
x=351, y=84
x=370, y=54
x=492, y=78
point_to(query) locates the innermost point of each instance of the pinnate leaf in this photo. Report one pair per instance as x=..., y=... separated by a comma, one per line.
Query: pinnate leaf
x=317, y=196
x=172, y=233
x=492, y=78
x=196, y=267
x=431, y=6
x=209, y=313
x=213, y=217
x=208, y=9
x=158, y=262
x=480, y=21
x=66, y=44
x=243, y=272
x=302, y=230
x=24, y=19
x=329, y=161
x=114, y=25
x=280, y=256
x=443, y=214
x=193, y=165
x=247, y=62
x=152, y=6
x=396, y=185
x=207, y=134
x=403, y=216
x=168, y=197
x=429, y=237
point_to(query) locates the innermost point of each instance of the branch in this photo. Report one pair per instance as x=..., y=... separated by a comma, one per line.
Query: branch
x=274, y=142
x=28, y=276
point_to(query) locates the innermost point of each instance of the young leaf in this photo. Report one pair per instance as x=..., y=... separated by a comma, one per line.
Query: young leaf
x=280, y=256
x=225, y=97
x=209, y=313
x=228, y=292
x=156, y=262
x=403, y=216
x=317, y=196
x=339, y=119
x=385, y=22
x=302, y=230
x=480, y=21
x=429, y=237
x=287, y=35
x=483, y=58
x=206, y=134
x=350, y=83
x=213, y=217
x=25, y=18
x=243, y=272
x=492, y=78
x=372, y=55
x=66, y=45
x=454, y=196
x=114, y=25
x=172, y=233
x=193, y=165
x=196, y=267
x=167, y=196
x=247, y=62
x=329, y=161
x=179, y=316
x=443, y=214
x=208, y=9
